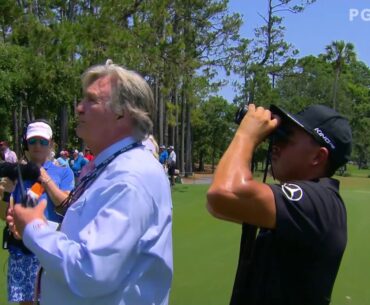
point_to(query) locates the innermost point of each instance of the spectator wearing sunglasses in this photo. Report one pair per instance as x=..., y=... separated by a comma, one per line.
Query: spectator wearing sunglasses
x=54, y=185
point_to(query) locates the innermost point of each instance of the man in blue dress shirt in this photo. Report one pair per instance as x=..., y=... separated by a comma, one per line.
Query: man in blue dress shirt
x=115, y=243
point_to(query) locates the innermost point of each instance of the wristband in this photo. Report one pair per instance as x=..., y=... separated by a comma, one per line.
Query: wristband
x=6, y=196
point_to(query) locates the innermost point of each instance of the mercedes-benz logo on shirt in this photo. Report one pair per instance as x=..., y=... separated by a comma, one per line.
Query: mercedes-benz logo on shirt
x=292, y=191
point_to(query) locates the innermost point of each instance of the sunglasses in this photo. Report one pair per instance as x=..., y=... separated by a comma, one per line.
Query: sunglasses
x=34, y=141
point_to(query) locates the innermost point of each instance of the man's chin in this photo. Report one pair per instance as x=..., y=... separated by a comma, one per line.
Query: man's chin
x=79, y=130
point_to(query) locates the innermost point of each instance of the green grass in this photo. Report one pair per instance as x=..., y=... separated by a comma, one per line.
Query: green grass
x=206, y=249
x=355, y=172
x=3, y=269
x=352, y=285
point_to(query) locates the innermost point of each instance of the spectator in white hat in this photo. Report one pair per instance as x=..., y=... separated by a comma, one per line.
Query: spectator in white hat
x=54, y=185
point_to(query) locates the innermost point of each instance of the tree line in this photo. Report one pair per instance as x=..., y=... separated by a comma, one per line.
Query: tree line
x=179, y=46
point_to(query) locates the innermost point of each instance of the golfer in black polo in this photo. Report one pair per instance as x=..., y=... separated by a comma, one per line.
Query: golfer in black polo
x=296, y=255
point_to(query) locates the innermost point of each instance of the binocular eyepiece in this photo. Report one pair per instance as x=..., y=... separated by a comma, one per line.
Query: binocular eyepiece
x=240, y=114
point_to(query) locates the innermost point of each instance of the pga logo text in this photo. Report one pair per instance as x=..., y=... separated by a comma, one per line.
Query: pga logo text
x=355, y=13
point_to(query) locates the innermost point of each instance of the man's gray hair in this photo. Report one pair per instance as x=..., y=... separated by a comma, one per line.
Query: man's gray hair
x=130, y=93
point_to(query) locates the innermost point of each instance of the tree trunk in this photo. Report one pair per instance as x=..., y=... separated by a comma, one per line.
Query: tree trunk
x=201, y=161
x=176, y=135
x=28, y=114
x=160, y=121
x=182, y=142
x=156, y=103
x=335, y=90
x=63, y=127
x=15, y=132
x=188, y=159
x=213, y=158
x=165, y=125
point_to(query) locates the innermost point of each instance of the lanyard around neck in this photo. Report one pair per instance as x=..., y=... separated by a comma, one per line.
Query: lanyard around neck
x=87, y=180
x=98, y=169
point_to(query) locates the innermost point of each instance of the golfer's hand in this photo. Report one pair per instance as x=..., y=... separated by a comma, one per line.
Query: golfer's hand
x=257, y=124
x=18, y=217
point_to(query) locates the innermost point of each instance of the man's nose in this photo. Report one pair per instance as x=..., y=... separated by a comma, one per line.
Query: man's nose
x=79, y=108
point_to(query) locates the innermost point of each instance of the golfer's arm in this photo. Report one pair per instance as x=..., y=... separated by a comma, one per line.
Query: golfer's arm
x=234, y=195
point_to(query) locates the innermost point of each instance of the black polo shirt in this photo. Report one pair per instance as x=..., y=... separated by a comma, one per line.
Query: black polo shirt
x=296, y=263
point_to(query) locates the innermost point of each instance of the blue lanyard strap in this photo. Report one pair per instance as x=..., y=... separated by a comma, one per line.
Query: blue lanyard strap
x=87, y=180
x=98, y=169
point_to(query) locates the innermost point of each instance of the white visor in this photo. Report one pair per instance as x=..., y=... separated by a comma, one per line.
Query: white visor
x=39, y=129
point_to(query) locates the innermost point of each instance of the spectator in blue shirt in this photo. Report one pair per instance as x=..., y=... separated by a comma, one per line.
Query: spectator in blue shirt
x=53, y=185
x=63, y=159
x=78, y=163
x=163, y=155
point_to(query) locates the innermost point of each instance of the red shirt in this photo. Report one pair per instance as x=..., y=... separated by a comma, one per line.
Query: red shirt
x=89, y=157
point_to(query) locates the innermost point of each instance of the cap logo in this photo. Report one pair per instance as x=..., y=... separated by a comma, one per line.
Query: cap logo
x=324, y=137
x=292, y=191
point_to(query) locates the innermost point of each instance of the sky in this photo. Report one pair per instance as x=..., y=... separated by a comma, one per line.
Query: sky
x=312, y=30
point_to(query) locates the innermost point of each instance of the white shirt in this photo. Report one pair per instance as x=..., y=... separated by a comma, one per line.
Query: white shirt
x=10, y=156
x=115, y=244
x=172, y=158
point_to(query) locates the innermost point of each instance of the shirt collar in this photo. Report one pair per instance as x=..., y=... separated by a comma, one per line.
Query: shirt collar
x=331, y=183
x=106, y=153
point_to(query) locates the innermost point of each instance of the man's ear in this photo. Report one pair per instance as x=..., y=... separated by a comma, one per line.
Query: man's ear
x=321, y=156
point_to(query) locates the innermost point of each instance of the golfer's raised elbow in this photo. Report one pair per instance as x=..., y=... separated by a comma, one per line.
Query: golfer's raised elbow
x=215, y=201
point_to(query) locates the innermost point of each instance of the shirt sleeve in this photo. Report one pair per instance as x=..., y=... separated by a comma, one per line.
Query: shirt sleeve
x=304, y=211
x=107, y=246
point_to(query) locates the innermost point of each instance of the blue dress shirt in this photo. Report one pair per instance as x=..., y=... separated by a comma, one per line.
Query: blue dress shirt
x=115, y=243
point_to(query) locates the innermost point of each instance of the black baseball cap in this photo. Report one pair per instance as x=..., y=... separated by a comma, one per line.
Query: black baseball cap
x=328, y=128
